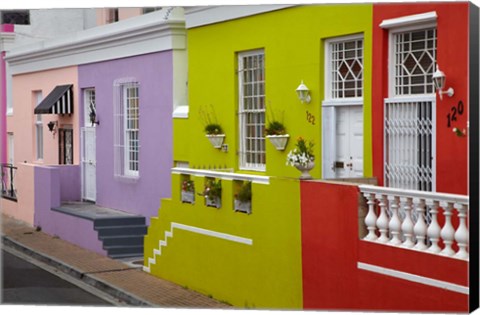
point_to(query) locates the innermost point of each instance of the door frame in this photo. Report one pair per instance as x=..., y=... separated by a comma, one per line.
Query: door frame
x=86, y=125
x=329, y=141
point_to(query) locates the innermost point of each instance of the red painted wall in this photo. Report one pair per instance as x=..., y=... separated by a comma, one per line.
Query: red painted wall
x=452, y=57
x=331, y=250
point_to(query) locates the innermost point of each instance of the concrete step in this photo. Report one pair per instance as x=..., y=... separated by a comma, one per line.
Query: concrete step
x=133, y=250
x=123, y=221
x=122, y=240
x=122, y=230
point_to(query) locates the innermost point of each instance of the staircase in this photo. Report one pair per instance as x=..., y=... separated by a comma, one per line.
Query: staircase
x=122, y=237
x=121, y=233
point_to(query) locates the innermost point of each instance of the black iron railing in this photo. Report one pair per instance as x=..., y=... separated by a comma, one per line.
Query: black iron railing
x=8, y=181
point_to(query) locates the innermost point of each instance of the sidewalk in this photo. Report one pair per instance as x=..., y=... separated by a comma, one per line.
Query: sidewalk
x=120, y=280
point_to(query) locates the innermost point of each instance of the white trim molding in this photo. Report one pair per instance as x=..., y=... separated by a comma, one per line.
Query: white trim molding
x=414, y=278
x=258, y=179
x=144, y=34
x=204, y=15
x=193, y=229
x=410, y=20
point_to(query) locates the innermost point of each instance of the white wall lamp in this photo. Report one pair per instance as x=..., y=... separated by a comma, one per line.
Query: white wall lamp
x=439, y=79
x=303, y=93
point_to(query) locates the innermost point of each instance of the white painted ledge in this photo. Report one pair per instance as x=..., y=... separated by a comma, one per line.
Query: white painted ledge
x=410, y=20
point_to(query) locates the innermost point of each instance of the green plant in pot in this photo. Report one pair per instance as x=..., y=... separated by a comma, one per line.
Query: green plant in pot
x=214, y=131
x=243, y=198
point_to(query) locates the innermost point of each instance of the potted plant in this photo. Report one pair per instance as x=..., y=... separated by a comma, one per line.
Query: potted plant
x=213, y=193
x=302, y=157
x=213, y=130
x=243, y=199
x=188, y=191
x=277, y=134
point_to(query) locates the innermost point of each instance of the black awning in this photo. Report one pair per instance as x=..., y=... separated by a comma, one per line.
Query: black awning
x=59, y=101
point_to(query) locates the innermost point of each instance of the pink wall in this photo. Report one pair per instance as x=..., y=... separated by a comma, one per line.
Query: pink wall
x=22, y=124
x=331, y=250
x=23, y=209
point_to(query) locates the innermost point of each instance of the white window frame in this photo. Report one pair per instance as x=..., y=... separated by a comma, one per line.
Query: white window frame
x=329, y=98
x=38, y=129
x=259, y=152
x=10, y=148
x=400, y=25
x=88, y=96
x=391, y=58
x=330, y=104
x=123, y=161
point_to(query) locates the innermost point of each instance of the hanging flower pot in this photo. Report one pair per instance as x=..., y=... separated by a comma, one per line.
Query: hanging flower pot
x=243, y=206
x=216, y=140
x=279, y=141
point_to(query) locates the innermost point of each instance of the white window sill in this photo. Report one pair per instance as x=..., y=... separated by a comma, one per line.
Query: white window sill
x=180, y=111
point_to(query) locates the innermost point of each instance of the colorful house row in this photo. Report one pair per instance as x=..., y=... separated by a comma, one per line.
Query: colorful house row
x=78, y=104
x=109, y=126
x=240, y=225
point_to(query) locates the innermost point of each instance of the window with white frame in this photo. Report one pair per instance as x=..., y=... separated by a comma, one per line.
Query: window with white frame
x=345, y=67
x=10, y=148
x=90, y=106
x=38, y=128
x=251, y=78
x=414, y=55
x=126, y=124
x=410, y=109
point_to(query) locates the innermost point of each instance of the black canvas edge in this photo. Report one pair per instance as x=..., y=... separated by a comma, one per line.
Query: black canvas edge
x=474, y=100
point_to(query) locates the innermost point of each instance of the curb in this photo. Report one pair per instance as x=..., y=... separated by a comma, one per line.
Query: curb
x=91, y=280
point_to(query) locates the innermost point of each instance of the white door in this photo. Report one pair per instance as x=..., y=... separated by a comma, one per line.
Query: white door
x=89, y=189
x=348, y=159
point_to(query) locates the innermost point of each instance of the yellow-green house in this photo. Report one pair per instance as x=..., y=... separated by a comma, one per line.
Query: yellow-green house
x=245, y=64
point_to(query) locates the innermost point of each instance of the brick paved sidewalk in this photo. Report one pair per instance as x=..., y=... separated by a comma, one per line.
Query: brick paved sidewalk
x=128, y=284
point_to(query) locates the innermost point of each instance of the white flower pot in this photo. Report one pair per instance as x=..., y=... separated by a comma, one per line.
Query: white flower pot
x=305, y=169
x=243, y=206
x=188, y=196
x=279, y=141
x=216, y=140
x=216, y=202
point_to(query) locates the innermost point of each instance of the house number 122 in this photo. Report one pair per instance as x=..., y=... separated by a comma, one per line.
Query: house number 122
x=310, y=118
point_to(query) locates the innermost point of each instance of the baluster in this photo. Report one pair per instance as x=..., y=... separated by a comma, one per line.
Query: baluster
x=433, y=231
x=461, y=235
x=382, y=221
x=420, y=228
x=395, y=223
x=407, y=225
x=371, y=217
x=448, y=232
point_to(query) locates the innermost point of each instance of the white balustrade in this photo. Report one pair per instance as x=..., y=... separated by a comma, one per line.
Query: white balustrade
x=411, y=219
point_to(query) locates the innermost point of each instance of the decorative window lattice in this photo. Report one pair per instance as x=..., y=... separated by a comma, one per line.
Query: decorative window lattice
x=126, y=129
x=252, y=109
x=415, y=59
x=90, y=105
x=409, y=156
x=346, y=68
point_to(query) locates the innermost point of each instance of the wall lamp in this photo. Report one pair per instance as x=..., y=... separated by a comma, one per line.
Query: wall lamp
x=303, y=93
x=439, y=79
x=52, y=126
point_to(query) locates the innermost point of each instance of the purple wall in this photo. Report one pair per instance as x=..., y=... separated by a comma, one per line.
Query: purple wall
x=53, y=184
x=154, y=74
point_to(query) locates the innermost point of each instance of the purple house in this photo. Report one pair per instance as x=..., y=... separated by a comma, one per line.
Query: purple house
x=131, y=82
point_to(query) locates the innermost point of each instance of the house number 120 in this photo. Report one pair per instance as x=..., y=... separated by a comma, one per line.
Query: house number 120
x=452, y=116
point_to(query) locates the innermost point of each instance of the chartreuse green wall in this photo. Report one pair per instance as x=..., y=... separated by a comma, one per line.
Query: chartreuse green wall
x=293, y=41
x=265, y=274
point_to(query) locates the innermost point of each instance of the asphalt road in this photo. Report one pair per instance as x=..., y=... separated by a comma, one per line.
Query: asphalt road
x=24, y=283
